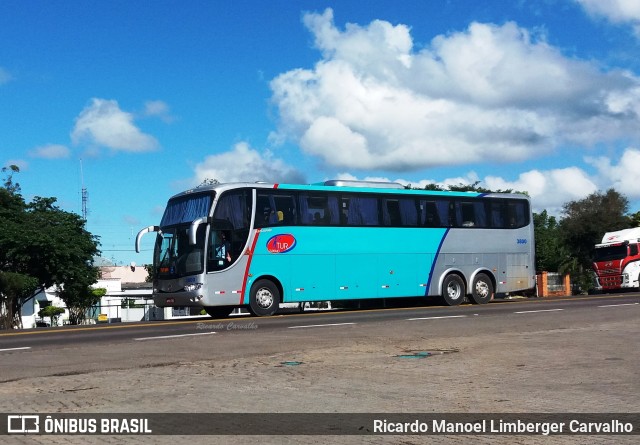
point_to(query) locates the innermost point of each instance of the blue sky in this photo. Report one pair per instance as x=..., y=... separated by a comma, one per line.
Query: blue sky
x=153, y=97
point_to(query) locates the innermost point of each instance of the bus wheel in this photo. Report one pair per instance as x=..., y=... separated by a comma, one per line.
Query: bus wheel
x=218, y=311
x=453, y=290
x=482, y=289
x=264, y=298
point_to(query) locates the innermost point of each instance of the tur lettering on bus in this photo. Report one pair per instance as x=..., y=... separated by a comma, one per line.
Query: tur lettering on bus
x=282, y=245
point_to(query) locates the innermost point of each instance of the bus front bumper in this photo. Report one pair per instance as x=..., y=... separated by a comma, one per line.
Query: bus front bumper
x=184, y=298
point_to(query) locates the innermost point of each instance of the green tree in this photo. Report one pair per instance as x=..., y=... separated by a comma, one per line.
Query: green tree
x=548, y=242
x=79, y=297
x=150, y=273
x=43, y=242
x=13, y=188
x=53, y=312
x=475, y=187
x=14, y=288
x=584, y=223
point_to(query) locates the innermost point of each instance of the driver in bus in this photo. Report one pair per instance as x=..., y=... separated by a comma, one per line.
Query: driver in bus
x=223, y=249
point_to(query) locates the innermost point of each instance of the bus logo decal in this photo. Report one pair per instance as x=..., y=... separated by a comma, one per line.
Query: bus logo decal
x=281, y=243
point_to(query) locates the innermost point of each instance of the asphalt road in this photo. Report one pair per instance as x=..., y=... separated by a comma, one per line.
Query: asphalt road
x=574, y=354
x=109, y=334
x=20, y=350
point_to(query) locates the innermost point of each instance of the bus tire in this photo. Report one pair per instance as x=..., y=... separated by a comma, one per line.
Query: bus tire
x=264, y=298
x=453, y=290
x=218, y=311
x=482, y=289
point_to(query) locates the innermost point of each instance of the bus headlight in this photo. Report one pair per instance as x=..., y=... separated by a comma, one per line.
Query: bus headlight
x=192, y=287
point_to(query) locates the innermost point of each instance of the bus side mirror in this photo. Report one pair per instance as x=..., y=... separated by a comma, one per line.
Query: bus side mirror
x=142, y=232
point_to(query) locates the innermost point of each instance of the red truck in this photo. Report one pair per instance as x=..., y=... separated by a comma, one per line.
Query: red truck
x=617, y=260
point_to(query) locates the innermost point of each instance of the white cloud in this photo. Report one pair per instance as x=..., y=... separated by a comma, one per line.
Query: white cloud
x=616, y=11
x=549, y=189
x=243, y=163
x=158, y=108
x=103, y=123
x=131, y=220
x=51, y=151
x=488, y=94
x=622, y=176
x=5, y=76
x=20, y=163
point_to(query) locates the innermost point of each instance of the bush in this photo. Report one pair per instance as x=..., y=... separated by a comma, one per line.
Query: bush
x=53, y=312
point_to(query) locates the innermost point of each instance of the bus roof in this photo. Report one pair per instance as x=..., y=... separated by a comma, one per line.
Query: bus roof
x=343, y=186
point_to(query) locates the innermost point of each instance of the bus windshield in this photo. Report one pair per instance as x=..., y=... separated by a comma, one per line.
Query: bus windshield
x=174, y=257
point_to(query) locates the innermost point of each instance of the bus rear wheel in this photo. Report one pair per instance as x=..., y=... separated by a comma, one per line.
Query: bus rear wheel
x=264, y=298
x=453, y=290
x=482, y=289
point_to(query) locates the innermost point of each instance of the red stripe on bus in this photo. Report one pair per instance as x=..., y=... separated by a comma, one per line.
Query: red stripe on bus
x=275, y=186
x=246, y=271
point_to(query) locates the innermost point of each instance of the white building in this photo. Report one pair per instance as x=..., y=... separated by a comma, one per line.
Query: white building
x=123, y=284
x=128, y=296
x=30, y=309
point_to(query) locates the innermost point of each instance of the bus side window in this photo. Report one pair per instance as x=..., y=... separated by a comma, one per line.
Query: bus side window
x=274, y=209
x=391, y=212
x=318, y=209
x=408, y=212
x=465, y=214
x=430, y=216
x=363, y=211
x=517, y=215
x=262, y=207
x=286, y=210
x=344, y=211
x=497, y=214
x=232, y=216
x=480, y=214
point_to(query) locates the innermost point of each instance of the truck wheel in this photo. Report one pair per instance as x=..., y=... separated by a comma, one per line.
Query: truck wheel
x=264, y=298
x=453, y=290
x=482, y=289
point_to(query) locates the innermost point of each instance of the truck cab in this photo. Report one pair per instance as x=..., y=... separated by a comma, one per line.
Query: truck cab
x=617, y=260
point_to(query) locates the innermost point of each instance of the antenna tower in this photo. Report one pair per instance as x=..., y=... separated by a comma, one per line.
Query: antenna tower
x=84, y=194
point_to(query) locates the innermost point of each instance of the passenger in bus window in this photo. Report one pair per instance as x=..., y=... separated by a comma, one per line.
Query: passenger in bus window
x=267, y=217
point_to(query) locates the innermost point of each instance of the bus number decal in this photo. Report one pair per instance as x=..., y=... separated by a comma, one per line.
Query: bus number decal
x=281, y=243
x=522, y=241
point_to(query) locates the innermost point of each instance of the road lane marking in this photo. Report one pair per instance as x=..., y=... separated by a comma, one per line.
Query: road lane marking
x=120, y=325
x=618, y=305
x=15, y=349
x=540, y=310
x=172, y=336
x=437, y=318
x=318, y=325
